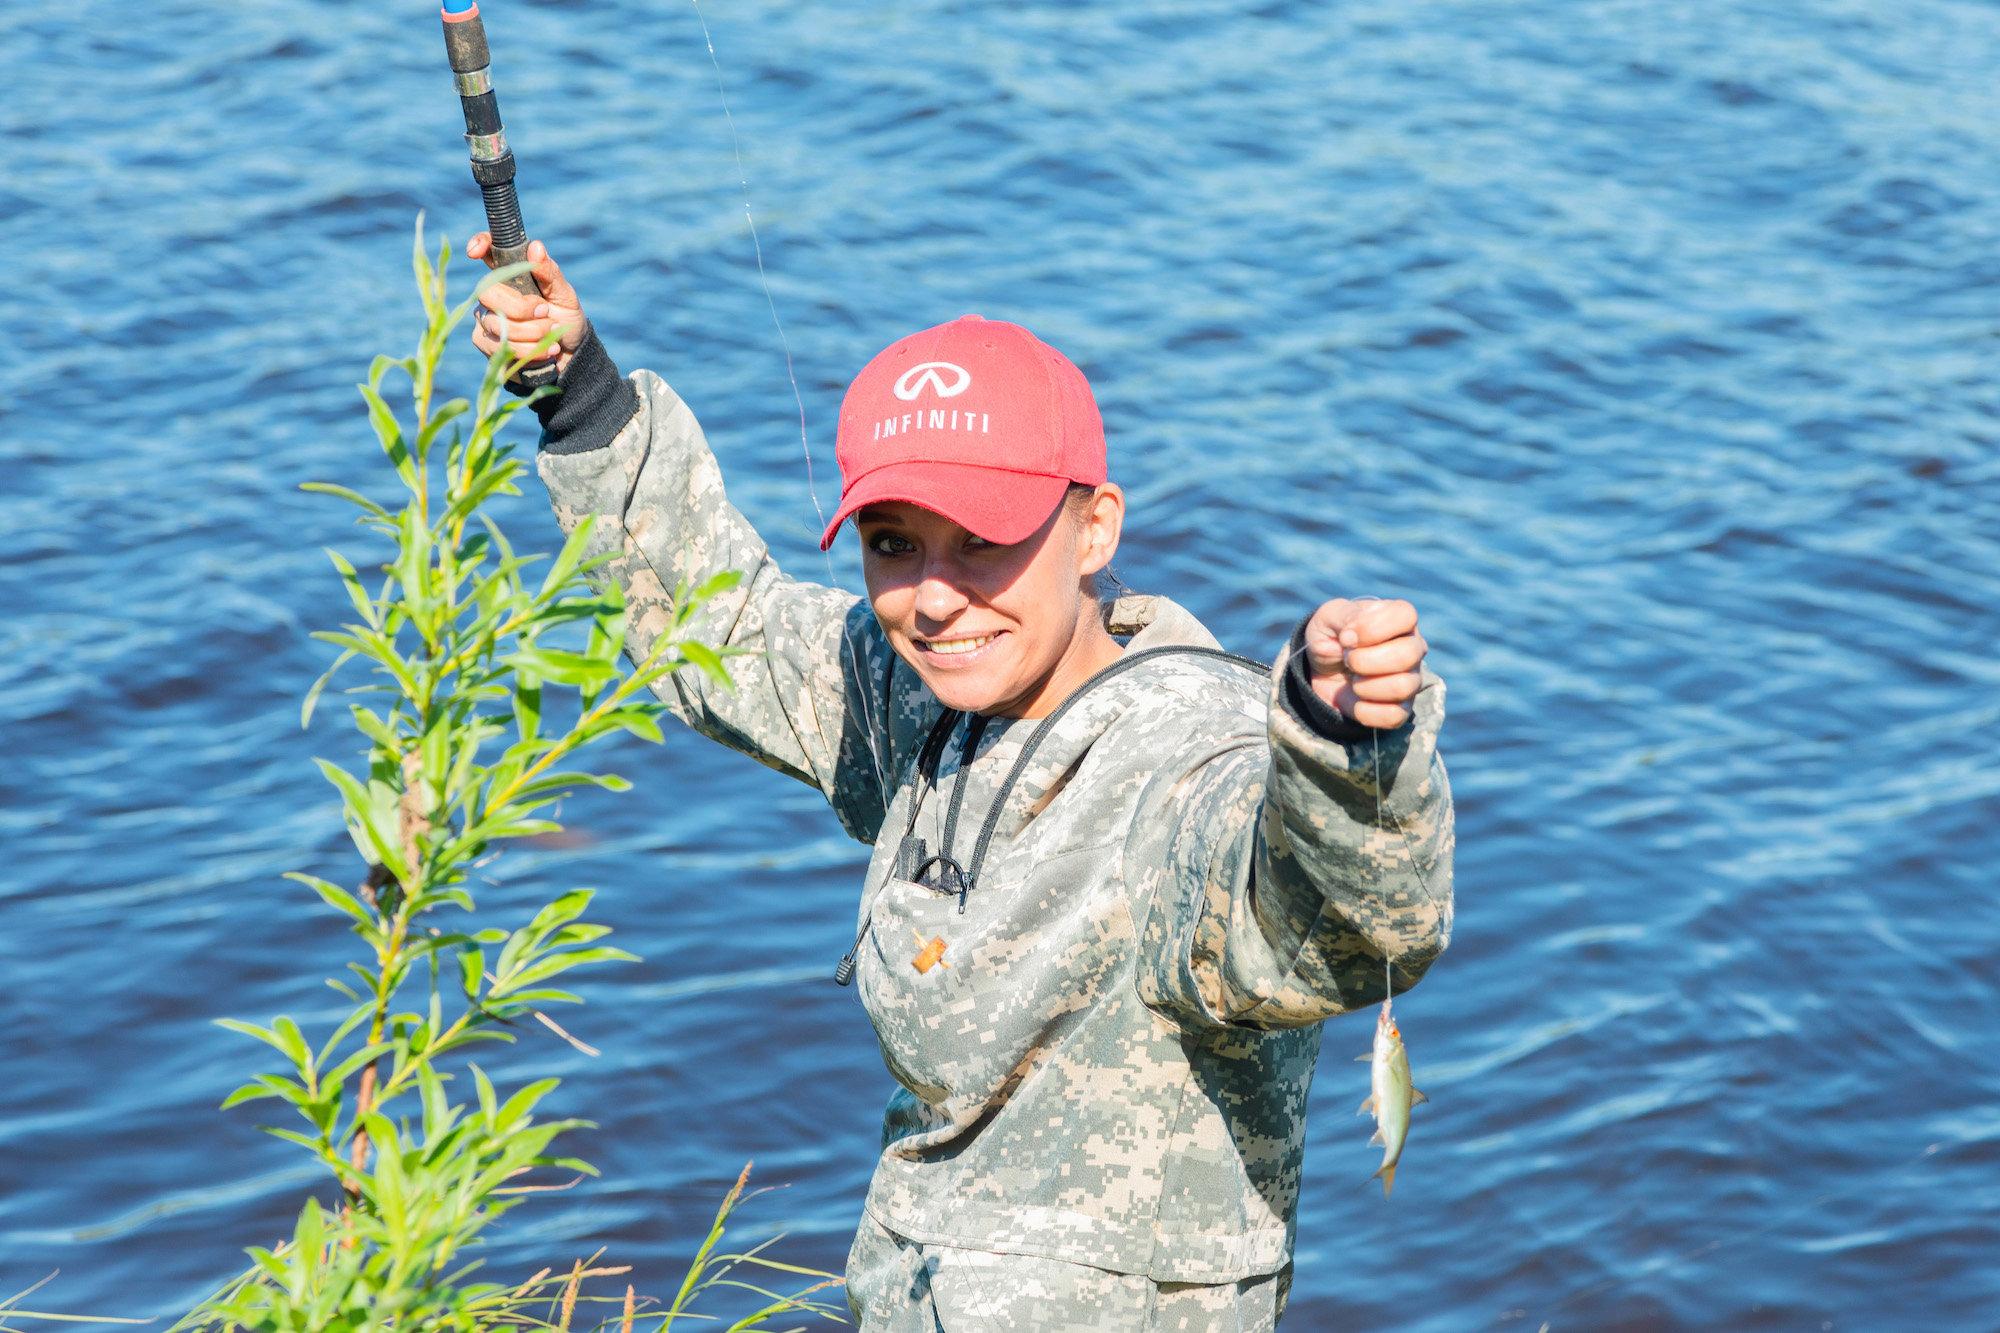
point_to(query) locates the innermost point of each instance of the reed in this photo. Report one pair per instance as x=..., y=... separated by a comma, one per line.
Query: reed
x=473, y=661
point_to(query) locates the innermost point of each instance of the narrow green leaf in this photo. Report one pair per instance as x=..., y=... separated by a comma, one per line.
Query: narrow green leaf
x=440, y=418
x=312, y=695
x=368, y=810
x=522, y=1102
x=527, y=704
x=352, y=497
x=376, y=728
x=497, y=480
x=355, y=1018
x=566, y=908
x=335, y=896
x=565, y=668
x=561, y=782
x=390, y=433
x=264, y=1035
x=294, y=1041
x=701, y=655
x=567, y=559
x=249, y=1092
x=363, y=605
x=492, y=276
x=714, y=586
x=554, y=965
x=361, y=1057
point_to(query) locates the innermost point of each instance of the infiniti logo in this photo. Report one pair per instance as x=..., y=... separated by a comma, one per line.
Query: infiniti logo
x=911, y=382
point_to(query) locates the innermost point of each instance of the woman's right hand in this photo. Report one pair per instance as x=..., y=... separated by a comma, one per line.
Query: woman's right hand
x=522, y=320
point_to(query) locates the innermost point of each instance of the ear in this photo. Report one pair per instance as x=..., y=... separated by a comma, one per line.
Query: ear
x=1103, y=524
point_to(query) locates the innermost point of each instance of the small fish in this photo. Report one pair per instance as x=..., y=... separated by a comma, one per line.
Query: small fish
x=1390, y=1096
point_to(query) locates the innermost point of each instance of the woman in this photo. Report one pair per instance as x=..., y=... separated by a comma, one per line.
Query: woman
x=1119, y=877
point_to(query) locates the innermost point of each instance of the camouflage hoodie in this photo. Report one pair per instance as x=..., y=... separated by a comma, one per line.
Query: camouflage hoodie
x=1109, y=1065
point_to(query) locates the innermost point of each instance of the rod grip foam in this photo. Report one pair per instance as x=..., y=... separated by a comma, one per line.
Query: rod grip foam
x=465, y=41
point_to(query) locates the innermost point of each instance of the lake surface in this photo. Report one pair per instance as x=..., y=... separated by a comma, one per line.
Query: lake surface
x=1647, y=348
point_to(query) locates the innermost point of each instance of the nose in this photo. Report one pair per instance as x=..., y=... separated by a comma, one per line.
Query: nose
x=939, y=597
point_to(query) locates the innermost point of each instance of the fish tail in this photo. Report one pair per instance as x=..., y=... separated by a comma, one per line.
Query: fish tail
x=1388, y=1174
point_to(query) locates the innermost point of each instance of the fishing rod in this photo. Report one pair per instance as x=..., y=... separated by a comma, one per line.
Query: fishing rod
x=492, y=159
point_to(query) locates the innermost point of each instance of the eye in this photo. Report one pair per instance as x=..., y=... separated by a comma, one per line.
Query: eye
x=890, y=543
x=973, y=543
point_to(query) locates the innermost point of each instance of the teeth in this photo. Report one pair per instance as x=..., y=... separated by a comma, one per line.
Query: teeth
x=950, y=647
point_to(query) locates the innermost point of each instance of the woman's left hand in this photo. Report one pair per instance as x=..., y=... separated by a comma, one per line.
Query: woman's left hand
x=1366, y=659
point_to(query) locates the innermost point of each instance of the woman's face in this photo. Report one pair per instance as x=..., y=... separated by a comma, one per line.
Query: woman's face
x=991, y=629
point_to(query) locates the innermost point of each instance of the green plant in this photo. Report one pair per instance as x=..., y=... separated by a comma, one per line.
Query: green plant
x=464, y=751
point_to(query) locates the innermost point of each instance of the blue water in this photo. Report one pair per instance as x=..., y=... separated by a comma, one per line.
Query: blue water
x=1647, y=348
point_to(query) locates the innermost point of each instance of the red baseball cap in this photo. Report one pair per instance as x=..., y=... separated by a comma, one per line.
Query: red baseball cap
x=978, y=420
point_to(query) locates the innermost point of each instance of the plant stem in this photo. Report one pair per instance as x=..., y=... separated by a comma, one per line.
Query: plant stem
x=364, y=1102
x=619, y=694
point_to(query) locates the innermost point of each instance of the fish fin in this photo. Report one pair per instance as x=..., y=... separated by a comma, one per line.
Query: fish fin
x=1367, y=1104
x=1378, y=1140
x=1417, y=1097
x=1388, y=1174
x=1364, y=1056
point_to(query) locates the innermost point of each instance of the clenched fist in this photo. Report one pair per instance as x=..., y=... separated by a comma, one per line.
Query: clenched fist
x=1366, y=659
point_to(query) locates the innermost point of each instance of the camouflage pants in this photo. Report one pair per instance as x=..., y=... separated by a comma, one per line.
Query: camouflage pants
x=896, y=1285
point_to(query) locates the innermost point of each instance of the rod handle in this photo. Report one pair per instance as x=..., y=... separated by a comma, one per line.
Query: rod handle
x=523, y=283
x=534, y=376
x=492, y=163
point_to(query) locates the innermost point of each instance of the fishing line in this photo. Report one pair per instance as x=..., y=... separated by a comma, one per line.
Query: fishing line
x=1388, y=964
x=805, y=444
x=757, y=247
x=1688, y=1256
x=1409, y=849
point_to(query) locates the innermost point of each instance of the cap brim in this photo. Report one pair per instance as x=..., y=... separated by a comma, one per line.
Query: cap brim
x=1001, y=506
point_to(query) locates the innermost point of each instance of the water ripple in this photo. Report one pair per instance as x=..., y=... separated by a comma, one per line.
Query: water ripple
x=1647, y=355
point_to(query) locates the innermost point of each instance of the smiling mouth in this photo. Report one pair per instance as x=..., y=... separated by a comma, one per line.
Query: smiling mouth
x=956, y=647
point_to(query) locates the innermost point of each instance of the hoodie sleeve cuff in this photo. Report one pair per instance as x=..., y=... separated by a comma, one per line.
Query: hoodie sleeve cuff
x=1300, y=700
x=594, y=404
